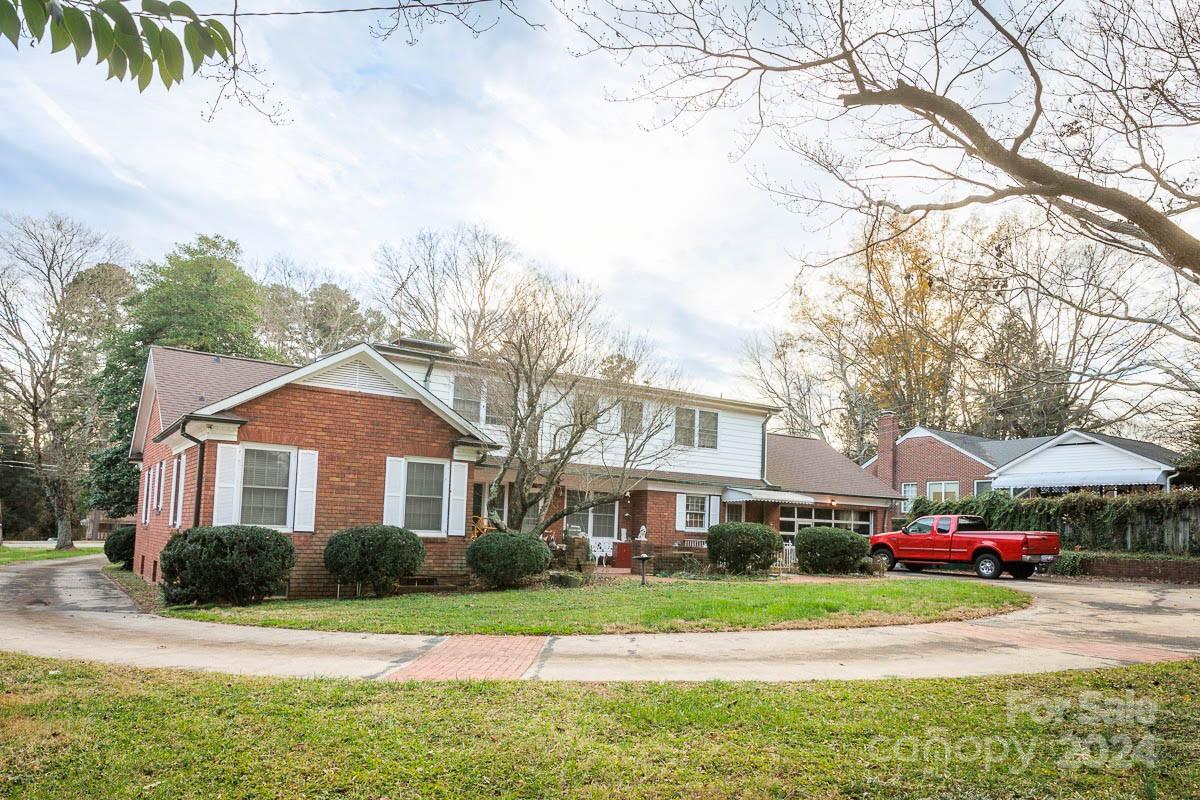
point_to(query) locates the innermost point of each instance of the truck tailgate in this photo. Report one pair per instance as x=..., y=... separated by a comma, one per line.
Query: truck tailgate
x=1041, y=543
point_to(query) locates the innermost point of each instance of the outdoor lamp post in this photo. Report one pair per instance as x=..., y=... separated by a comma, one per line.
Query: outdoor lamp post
x=644, y=557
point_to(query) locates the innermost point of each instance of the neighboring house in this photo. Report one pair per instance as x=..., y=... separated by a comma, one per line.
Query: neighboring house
x=945, y=465
x=399, y=434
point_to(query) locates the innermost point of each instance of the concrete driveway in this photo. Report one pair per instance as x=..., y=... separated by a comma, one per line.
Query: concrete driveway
x=69, y=609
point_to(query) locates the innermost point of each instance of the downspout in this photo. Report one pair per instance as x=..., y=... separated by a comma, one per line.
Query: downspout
x=762, y=467
x=1170, y=478
x=199, y=471
x=428, y=372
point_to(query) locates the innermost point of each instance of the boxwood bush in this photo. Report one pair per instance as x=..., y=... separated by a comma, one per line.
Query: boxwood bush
x=505, y=559
x=378, y=555
x=239, y=564
x=829, y=550
x=118, y=546
x=743, y=546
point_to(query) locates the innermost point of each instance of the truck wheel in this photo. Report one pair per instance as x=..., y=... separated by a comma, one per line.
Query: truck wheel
x=886, y=556
x=988, y=566
x=914, y=567
x=1022, y=571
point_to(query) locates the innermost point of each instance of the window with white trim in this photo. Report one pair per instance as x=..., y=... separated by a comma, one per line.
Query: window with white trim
x=909, y=492
x=695, y=512
x=982, y=487
x=940, y=491
x=599, y=520
x=425, y=495
x=468, y=396
x=498, y=405
x=178, y=474
x=632, y=412
x=792, y=518
x=735, y=512
x=266, y=487
x=696, y=428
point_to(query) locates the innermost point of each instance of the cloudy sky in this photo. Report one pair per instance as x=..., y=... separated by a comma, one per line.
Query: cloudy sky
x=510, y=130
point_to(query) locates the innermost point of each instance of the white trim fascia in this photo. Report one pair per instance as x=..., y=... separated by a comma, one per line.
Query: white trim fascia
x=872, y=459
x=919, y=432
x=137, y=420
x=995, y=473
x=447, y=413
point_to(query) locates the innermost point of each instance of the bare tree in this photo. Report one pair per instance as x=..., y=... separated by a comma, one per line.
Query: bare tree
x=574, y=399
x=46, y=357
x=447, y=286
x=778, y=366
x=1087, y=110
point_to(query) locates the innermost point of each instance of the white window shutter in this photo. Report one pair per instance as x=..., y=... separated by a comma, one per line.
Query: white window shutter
x=146, y=497
x=181, y=479
x=393, y=493
x=158, y=491
x=226, y=494
x=305, y=517
x=714, y=509
x=174, y=489
x=680, y=512
x=457, y=524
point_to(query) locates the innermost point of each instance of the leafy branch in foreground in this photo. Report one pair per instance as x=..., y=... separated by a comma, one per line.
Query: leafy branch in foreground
x=132, y=43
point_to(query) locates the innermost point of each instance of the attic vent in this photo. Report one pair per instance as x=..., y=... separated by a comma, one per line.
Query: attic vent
x=355, y=376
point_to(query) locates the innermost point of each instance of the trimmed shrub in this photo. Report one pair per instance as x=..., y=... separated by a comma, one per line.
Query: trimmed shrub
x=829, y=550
x=505, y=559
x=239, y=564
x=118, y=546
x=743, y=546
x=379, y=555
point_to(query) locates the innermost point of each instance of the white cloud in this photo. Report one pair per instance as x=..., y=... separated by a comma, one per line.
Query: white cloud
x=508, y=129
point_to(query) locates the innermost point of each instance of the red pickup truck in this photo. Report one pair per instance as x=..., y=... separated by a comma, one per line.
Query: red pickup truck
x=966, y=540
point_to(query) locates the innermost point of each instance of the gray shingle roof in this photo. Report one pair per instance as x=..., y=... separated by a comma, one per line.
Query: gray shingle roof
x=991, y=451
x=810, y=465
x=189, y=379
x=999, y=452
x=1149, y=450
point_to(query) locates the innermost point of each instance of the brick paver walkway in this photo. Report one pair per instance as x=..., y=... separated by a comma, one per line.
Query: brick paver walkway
x=461, y=657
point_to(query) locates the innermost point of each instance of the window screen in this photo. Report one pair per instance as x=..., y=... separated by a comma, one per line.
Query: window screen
x=423, y=496
x=265, y=480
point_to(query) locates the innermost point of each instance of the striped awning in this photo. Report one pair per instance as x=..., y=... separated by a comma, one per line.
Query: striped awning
x=1100, y=477
x=735, y=494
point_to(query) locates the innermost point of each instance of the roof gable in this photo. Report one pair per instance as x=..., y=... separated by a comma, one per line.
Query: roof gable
x=1132, y=451
x=360, y=353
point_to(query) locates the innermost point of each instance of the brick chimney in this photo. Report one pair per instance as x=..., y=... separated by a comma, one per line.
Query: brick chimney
x=888, y=429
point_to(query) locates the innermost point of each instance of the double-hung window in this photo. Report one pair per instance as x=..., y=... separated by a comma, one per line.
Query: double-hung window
x=939, y=491
x=982, y=487
x=909, y=492
x=468, y=397
x=266, y=487
x=632, y=412
x=424, y=496
x=695, y=512
x=696, y=428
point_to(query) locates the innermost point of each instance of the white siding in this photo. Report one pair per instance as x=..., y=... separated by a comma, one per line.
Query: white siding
x=739, y=434
x=1078, y=454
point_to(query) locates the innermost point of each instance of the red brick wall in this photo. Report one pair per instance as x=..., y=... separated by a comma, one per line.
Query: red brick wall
x=923, y=459
x=151, y=536
x=353, y=434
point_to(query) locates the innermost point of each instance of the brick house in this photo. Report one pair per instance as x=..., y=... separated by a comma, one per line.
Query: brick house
x=402, y=434
x=947, y=465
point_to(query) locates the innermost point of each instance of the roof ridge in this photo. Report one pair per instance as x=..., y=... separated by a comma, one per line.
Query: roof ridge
x=222, y=355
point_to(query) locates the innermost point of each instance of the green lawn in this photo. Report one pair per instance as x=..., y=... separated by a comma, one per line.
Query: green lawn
x=624, y=606
x=9, y=554
x=71, y=730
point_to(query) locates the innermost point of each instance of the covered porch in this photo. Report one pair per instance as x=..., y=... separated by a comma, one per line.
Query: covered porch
x=789, y=512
